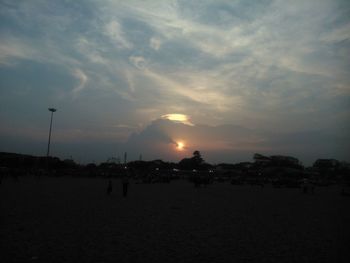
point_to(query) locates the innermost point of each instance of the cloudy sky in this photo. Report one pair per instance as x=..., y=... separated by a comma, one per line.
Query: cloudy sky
x=267, y=76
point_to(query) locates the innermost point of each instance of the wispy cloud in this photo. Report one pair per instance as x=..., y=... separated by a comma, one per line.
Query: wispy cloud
x=155, y=43
x=114, y=31
x=12, y=49
x=263, y=65
x=82, y=78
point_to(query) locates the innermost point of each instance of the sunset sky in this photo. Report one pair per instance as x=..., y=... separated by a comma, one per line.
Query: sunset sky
x=228, y=78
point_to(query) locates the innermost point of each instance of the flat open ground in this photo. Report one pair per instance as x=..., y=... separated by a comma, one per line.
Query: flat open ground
x=73, y=220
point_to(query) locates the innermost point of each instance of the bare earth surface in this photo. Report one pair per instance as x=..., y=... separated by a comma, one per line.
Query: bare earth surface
x=73, y=220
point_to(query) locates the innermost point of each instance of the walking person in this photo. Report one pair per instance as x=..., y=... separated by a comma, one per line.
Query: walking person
x=125, y=183
x=109, y=187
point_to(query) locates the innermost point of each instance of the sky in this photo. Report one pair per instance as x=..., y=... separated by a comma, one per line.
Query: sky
x=162, y=79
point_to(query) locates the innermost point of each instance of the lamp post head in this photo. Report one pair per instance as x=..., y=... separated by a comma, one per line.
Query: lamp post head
x=52, y=109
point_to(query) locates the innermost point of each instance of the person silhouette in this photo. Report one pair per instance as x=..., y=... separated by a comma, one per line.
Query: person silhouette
x=109, y=187
x=125, y=183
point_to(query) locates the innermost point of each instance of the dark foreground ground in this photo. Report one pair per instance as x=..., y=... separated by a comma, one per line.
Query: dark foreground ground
x=73, y=220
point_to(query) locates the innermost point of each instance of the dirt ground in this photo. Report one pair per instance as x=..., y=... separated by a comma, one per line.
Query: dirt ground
x=73, y=220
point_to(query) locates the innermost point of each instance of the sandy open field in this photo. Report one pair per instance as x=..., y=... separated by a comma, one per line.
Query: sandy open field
x=73, y=220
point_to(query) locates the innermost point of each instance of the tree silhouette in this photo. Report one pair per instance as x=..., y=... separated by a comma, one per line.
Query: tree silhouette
x=195, y=162
x=197, y=158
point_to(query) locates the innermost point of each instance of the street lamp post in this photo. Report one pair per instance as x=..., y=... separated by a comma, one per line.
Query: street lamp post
x=48, y=144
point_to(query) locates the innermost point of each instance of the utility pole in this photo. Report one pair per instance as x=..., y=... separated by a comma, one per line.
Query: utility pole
x=125, y=157
x=48, y=144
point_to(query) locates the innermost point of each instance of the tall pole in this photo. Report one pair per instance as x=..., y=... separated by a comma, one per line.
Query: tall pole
x=125, y=157
x=48, y=144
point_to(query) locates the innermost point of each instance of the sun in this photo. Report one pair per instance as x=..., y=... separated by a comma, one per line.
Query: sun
x=180, y=146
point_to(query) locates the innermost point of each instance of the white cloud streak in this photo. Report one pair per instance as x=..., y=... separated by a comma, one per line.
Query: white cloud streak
x=82, y=78
x=114, y=31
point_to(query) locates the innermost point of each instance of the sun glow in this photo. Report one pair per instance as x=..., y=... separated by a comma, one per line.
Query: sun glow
x=180, y=146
